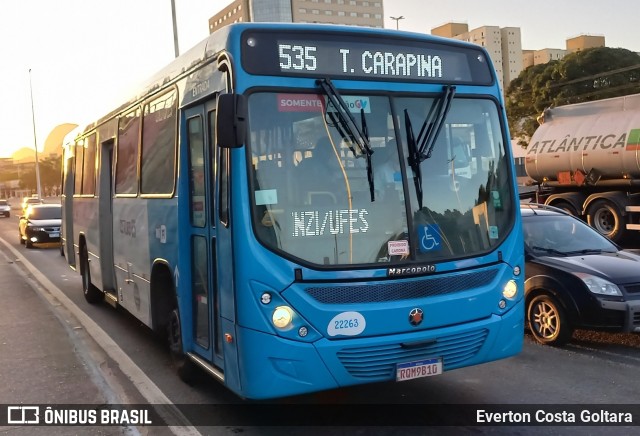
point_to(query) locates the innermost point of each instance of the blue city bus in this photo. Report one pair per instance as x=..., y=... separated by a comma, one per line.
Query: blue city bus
x=303, y=207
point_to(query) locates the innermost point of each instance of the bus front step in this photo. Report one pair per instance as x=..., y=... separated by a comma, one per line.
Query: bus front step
x=111, y=298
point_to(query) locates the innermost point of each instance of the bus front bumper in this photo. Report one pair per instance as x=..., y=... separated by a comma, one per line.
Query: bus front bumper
x=273, y=367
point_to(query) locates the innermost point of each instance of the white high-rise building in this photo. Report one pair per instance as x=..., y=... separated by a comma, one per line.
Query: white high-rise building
x=504, y=46
x=369, y=13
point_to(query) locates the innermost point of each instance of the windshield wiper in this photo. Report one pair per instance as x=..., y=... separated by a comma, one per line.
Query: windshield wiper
x=365, y=131
x=421, y=148
x=588, y=251
x=349, y=127
x=549, y=250
x=414, y=157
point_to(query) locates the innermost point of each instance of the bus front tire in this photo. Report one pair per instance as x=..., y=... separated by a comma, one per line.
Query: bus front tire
x=183, y=365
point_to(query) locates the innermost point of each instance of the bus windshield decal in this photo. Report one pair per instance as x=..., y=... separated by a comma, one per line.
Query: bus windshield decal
x=316, y=103
x=330, y=55
x=300, y=103
x=332, y=222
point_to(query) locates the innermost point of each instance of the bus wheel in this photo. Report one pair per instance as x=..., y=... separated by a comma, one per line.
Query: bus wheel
x=183, y=365
x=547, y=321
x=605, y=217
x=92, y=294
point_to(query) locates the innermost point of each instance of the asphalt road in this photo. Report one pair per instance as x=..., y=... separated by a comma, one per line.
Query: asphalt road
x=595, y=368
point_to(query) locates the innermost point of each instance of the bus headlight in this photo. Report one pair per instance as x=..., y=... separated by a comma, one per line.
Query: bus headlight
x=282, y=317
x=510, y=290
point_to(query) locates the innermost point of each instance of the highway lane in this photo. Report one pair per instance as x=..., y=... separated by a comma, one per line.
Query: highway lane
x=594, y=368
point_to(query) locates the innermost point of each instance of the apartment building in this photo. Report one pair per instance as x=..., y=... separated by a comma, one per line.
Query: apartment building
x=504, y=46
x=582, y=42
x=368, y=13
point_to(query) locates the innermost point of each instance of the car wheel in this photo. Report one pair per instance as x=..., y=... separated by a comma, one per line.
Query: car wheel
x=183, y=365
x=92, y=294
x=607, y=219
x=548, y=321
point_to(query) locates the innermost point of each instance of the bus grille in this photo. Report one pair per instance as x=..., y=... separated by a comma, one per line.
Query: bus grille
x=379, y=362
x=381, y=292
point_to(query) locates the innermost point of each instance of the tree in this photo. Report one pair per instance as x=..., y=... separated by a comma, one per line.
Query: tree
x=49, y=175
x=587, y=75
x=526, y=98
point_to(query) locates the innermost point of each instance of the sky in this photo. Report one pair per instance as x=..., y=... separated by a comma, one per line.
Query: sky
x=82, y=58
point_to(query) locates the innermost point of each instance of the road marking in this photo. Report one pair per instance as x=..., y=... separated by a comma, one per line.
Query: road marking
x=144, y=384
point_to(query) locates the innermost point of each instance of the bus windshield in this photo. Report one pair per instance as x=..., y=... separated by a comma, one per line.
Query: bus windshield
x=314, y=200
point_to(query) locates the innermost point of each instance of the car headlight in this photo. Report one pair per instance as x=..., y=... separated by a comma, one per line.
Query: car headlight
x=598, y=285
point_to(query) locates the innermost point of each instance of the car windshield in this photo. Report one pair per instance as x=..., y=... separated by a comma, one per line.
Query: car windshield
x=318, y=196
x=45, y=213
x=3, y=203
x=563, y=235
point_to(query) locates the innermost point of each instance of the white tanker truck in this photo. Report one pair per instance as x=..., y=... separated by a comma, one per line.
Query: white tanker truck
x=586, y=159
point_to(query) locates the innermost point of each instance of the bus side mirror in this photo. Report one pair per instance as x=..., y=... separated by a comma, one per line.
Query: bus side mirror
x=231, y=120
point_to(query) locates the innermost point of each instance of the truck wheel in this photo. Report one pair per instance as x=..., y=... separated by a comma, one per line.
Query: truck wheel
x=567, y=207
x=607, y=219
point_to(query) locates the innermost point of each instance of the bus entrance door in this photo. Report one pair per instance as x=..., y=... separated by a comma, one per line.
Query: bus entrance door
x=202, y=188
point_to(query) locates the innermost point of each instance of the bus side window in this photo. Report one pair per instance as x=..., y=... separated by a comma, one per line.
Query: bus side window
x=196, y=172
x=127, y=153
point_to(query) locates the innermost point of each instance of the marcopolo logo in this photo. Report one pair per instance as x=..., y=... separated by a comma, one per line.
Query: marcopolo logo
x=412, y=270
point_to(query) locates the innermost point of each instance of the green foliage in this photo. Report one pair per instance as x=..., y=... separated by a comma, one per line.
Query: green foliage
x=49, y=174
x=587, y=75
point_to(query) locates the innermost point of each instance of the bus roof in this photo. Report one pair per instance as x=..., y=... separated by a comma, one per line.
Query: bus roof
x=209, y=48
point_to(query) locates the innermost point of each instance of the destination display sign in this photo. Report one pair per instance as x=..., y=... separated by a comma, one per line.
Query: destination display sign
x=363, y=57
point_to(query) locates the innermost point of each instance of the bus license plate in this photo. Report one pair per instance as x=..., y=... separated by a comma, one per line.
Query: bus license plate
x=418, y=368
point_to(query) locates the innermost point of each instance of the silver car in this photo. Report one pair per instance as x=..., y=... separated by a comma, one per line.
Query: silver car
x=5, y=208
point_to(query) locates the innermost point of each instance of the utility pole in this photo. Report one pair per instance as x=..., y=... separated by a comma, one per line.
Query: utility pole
x=175, y=28
x=35, y=141
x=397, y=20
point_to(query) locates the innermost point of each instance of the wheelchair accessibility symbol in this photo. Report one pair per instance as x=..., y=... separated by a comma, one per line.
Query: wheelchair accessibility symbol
x=430, y=238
